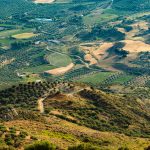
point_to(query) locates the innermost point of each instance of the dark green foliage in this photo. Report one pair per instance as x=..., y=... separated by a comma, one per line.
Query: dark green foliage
x=117, y=49
x=128, y=28
x=99, y=32
x=26, y=94
x=123, y=148
x=68, y=22
x=20, y=45
x=117, y=118
x=132, y=70
x=132, y=5
x=142, y=59
x=78, y=8
x=75, y=20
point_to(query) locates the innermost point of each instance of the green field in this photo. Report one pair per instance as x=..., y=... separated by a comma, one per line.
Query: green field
x=58, y=60
x=92, y=19
x=95, y=78
x=38, y=69
x=123, y=79
x=12, y=32
x=6, y=36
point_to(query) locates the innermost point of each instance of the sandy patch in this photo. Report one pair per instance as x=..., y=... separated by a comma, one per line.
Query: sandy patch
x=56, y=112
x=100, y=52
x=89, y=58
x=6, y=62
x=140, y=25
x=24, y=35
x=61, y=70
x=121, y=30
x=136, y=46
x=44, y=1
x=95, y=53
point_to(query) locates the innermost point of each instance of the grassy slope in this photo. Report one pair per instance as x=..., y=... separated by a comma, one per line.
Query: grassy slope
x=95, y=78
x=65, y=134
x=71, y=118
x=106, y=112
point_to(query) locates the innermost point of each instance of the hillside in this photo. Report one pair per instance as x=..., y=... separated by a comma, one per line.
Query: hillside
x=75, y=72
x=84, y=115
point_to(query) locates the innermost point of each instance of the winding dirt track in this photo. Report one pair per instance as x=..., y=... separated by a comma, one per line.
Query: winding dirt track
x=41, y=105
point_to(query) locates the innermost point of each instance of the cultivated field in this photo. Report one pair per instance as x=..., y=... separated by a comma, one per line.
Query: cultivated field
x=24, y=35
x=136, y=46
x=58, y=60
x=44, y=1
x=96, y=78
x=61, y=70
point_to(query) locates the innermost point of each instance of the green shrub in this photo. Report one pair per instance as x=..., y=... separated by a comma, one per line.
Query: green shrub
x=41, y=146
x=6, y=148
x=123, y=148
x=84, y=147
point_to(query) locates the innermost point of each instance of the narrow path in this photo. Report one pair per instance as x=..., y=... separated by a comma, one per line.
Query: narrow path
x=40, y=102
x=41, y=105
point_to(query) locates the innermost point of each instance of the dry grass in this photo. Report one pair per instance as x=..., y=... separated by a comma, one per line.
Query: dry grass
x=63, y=134
x=95, y=53
x=44, y=1
x=140, y=25
x=24, y=35
x=100, y=52
x=61, y=70
x=136, y=46
x=89, y=58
